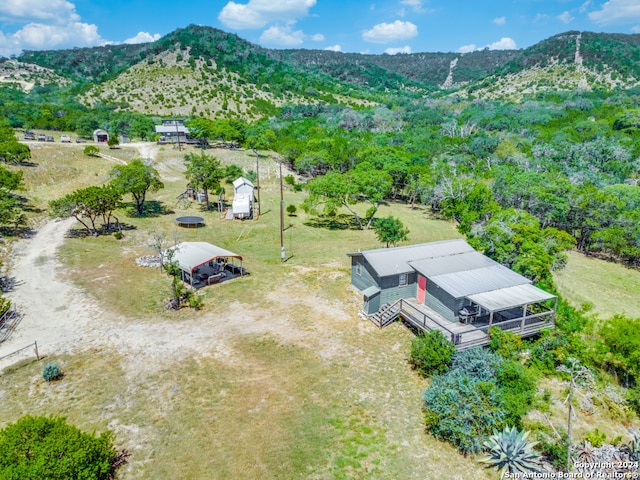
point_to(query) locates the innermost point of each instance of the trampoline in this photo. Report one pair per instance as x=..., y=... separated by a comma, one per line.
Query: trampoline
x=190, y=221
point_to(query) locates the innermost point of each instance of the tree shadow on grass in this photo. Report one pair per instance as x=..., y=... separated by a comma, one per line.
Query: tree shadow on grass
x=152, y=208
x=338, y=222
x=82, y=232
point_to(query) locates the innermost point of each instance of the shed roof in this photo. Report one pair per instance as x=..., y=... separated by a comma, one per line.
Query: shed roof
x=393, y=261
x=190, y=255
x=510, y=297
x=238, y=182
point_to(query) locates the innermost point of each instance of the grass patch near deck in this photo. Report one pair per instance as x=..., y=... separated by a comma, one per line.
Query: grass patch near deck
x=610, y=287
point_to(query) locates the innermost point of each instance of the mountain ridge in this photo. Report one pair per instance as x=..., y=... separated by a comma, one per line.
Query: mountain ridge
x=247, y=80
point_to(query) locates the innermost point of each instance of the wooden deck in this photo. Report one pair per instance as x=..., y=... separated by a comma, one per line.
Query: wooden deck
x=463, y=335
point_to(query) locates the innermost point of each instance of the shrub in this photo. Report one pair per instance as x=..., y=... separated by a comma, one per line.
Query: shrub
x=595, y=438
x=431, y=353
x=51, y=371
x=518, y=389
x=291, y=209
x=118, y=235
x=91, y=151
x=42, y=447
x=504, y=343
x=462, y=410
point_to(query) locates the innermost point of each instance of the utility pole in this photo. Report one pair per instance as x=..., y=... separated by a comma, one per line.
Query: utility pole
x=577, y=372
x=282, y=254
x=255, y=150
x=175, y=121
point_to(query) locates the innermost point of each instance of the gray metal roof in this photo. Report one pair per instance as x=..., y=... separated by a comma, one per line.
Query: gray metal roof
x=393, y=261
x=510, y=297
x=190, y=255
x=171, y=129
x=485, y=279
x=459, y=262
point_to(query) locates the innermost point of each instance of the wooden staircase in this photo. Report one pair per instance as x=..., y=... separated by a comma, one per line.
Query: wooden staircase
x=387, y=314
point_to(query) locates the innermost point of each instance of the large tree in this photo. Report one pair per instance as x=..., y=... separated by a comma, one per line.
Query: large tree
x=136, y=178
x=87, y=205
x=362, y=184
x=204, y=173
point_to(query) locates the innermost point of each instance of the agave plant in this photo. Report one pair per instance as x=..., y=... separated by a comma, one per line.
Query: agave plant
x=511, y=452
x=634, y=448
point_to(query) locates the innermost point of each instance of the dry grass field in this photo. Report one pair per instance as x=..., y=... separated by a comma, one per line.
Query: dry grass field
x=276, y=377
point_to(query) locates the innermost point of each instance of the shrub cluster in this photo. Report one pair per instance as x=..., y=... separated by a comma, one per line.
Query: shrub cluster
x=42, y=447
x=482, y=392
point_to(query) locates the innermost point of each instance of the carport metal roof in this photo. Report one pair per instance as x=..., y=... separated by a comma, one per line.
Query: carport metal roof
x=191, y=255
x=510, y=297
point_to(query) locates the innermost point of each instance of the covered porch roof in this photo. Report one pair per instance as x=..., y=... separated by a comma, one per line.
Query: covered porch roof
x=191, y=255
x=510, y=297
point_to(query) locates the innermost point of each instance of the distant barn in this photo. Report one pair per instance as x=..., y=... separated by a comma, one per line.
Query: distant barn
x=100, y=136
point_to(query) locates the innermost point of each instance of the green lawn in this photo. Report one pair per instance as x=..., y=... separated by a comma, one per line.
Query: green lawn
x=610, y=287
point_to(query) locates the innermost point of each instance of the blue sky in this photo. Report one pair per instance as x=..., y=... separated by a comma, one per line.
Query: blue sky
x=391, y=26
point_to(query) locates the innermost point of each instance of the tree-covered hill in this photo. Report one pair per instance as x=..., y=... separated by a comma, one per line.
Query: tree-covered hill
x=204, y=71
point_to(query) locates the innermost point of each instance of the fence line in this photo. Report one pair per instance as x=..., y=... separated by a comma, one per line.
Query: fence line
x=34, y=344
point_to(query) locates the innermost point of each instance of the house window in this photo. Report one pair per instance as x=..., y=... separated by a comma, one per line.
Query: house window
x=358, y=269
x=403, y=279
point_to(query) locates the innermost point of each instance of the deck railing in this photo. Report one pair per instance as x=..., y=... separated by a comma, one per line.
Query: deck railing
x=477, y=334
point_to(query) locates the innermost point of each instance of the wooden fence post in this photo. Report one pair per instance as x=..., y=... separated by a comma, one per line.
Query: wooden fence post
x=37, y=355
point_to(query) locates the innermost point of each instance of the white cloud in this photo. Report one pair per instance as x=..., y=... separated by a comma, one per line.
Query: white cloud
x=565, y=17
x=541, y=17
x=48, y=24
x=390, y=32
x=334, y=48
x=396, y=50
x=258, y=13
x=318, y=37
x=467, y=48
x=505, y=43
x=282, y=36
x=38, y=11
x=617, y=12
x=500, y=20
x=635, y=29
x=143, y=37
x=416, y=5
x=583, y=8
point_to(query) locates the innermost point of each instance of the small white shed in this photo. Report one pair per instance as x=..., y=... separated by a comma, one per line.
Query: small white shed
x=243, y=198
x=243, y=186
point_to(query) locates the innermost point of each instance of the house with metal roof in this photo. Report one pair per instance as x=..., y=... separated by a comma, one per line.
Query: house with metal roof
x=451, y=287
x=173, y=130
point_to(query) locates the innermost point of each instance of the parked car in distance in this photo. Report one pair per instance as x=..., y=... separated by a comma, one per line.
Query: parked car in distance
x=29, y=135
x=42, y=137
x=49, y=138
x=81, y=140
x=65, y=138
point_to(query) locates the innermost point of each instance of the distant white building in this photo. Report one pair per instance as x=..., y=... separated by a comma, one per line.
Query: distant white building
x=243, y=198
x=173, y=130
